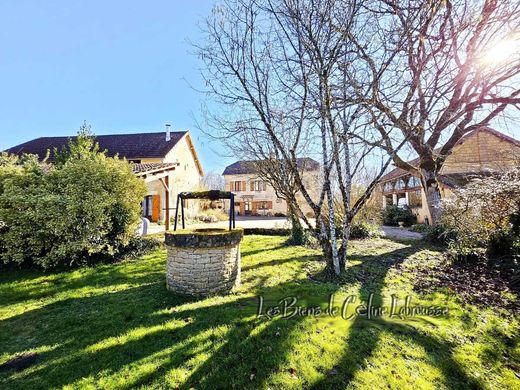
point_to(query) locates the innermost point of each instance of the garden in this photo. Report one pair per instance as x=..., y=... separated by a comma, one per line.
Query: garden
x=116, y=326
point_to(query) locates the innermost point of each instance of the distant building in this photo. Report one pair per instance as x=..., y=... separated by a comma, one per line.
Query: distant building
x=166, y=161
x=480, y=152
x=254, y=196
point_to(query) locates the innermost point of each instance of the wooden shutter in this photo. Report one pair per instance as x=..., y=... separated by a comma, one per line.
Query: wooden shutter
x=265, y=186
x=156, y=207
x=243, y=187
x=231, y=186
x=252, y=185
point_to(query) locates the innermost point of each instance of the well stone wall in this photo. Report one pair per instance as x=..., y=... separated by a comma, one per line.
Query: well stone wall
x=202, y=263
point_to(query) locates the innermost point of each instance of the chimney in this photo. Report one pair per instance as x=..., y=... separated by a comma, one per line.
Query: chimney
x=168, y=136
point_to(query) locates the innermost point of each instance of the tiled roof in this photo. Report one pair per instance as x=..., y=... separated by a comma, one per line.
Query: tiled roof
x=248, y=166
x=397, y=172
x=151, y=167
x=139, y=145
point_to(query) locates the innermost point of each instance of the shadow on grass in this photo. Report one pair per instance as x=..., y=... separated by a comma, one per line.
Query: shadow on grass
x=147, y=335
x=365, y=335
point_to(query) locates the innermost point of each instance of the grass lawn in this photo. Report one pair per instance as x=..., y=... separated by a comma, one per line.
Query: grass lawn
x=116, y=326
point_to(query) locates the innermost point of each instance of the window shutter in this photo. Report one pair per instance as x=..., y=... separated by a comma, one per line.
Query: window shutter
x=244, y=187
x=252, y=185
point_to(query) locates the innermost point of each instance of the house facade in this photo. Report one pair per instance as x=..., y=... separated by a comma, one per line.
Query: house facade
x=480, y=152
x=166, y=161
x=254, y=196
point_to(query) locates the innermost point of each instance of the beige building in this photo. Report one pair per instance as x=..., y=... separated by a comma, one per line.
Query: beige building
x=482, y=151
x=253, y=196
x=166, y=161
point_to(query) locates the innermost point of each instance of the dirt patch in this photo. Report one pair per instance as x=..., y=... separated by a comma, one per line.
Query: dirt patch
x=20, y=362
x=474, y=283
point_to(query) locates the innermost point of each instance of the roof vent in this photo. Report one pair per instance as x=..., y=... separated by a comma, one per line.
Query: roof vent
x=168, y=135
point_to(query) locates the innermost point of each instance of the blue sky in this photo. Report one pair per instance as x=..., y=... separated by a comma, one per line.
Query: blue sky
x=123, y=66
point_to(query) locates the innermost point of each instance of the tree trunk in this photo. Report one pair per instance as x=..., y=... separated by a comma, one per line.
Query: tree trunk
x=433, y=195
x=297, y=232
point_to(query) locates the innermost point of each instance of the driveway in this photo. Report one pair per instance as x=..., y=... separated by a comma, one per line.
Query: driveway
x=281, y=223
x=400, y=233
x=242, y=222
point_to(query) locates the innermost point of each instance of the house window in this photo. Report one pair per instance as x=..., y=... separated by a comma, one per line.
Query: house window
x=414, y=182
x=236, y=186
x=258, y=185
x=247, y=206
x=400, y=184
x=388, y=186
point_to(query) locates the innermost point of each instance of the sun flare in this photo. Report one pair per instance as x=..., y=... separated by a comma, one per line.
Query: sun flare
x=501, y=51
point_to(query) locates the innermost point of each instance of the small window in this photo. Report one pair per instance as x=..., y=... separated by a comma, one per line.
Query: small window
x=400, y=184
x=414, y=182
x=389, y=186
x=236, y=186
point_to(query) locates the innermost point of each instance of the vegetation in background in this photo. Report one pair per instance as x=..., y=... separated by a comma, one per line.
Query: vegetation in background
x=420, y=228
x=485, y=216
x=116, y=326
x=83, y=208
x=392, y=215
x=362, y=230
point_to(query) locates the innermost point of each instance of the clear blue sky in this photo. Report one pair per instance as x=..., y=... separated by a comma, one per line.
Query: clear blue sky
x=123, y=66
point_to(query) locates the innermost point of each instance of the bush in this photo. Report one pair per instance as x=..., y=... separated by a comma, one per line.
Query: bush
x=420, y=228
x=439, y=234
x=392, y=215
x=362, y=230
x=485, y=216
x=84, y=208
x=212, y=215
x=139, y=246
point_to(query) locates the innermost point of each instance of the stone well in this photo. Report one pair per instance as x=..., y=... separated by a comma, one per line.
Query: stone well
x=203, y=262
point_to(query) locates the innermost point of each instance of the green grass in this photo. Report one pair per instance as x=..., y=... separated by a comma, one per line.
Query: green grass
x=116, y=326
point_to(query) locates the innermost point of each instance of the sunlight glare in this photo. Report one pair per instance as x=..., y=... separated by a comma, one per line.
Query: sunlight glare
x=501, y=51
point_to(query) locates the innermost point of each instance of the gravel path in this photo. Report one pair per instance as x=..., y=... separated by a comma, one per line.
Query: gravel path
x=400, y=233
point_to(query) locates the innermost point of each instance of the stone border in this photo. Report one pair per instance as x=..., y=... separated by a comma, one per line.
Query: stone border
x=203, y=238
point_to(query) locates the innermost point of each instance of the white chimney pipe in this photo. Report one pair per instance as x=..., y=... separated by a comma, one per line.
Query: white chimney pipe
x=168, y=136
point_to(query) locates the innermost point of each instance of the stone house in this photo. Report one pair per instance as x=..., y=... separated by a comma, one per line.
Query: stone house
x=254, y=196
x=480, y=152
x=166, y=161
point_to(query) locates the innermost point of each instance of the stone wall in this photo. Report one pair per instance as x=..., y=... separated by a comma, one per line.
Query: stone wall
x=203, y=263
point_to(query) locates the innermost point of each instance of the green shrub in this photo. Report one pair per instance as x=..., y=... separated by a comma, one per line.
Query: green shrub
x=362, y=230
x=420, y=228
x=485, y=214
x=392, y=215
x=439, y=234
x=83, y=208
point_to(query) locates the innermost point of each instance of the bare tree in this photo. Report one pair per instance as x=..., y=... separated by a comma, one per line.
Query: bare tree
x=431, y=72
x=213, y=180
x=276, y=70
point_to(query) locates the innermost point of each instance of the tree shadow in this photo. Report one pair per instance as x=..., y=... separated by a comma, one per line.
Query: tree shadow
x=221, y=340
x=365, y=334
x=165, y=327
